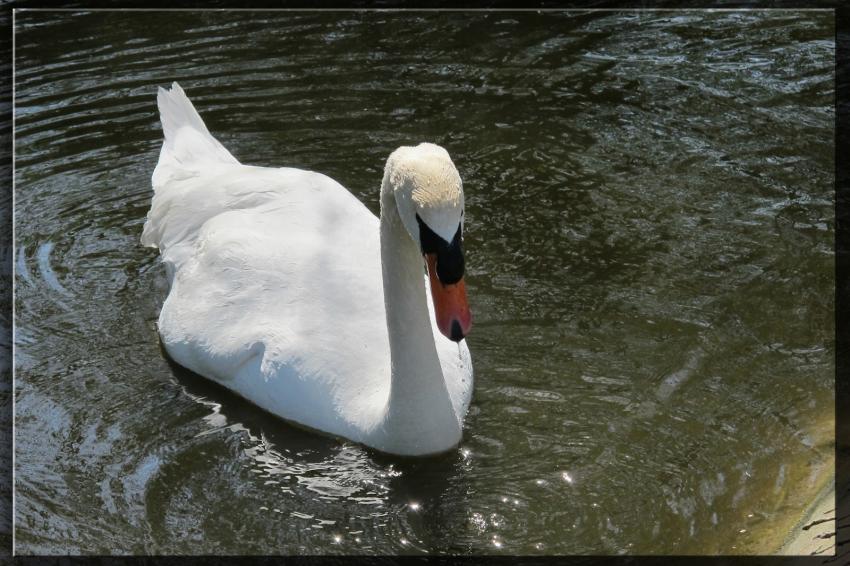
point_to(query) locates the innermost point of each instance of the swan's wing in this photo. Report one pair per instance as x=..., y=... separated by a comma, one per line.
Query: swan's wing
x=277, y=293
x=183, y=205
x=275, y=278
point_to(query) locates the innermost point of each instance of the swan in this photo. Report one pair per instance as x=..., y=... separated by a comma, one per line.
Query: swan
x=287, y=290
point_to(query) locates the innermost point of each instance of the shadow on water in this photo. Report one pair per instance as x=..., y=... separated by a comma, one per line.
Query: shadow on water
x=234, y=410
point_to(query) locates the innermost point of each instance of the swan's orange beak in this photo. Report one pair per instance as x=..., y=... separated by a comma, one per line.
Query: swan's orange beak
x=454, y=319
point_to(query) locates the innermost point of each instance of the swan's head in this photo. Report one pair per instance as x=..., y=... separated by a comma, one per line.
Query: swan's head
x=429, y=196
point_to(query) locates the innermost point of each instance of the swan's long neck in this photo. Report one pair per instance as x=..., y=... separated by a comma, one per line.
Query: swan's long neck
x=419, y=409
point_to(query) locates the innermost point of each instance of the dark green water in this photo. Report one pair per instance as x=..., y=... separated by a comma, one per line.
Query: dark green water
x=650, y=264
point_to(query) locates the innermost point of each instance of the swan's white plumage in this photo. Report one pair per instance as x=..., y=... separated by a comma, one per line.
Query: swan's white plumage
x=276, y=289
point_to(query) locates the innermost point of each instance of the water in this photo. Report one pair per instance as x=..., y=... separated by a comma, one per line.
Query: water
x=650, y=264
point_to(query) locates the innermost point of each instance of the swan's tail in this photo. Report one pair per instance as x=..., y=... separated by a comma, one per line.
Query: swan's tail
x=189, y=158
x=188, y=147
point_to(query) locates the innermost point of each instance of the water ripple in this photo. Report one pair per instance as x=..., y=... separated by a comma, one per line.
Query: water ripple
x=650, y=242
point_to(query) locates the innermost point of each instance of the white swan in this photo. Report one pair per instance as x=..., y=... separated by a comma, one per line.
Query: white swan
x=287, y=290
